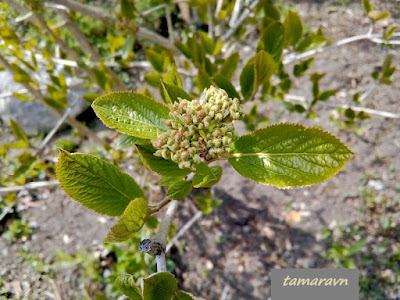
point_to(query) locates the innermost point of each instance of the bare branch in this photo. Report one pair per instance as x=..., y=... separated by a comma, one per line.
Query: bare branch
x=169, y=23
x=29, y=186
x=376, y=38
x=210, y=21
x=240, y=21
x=182, y=231
x=97, y=13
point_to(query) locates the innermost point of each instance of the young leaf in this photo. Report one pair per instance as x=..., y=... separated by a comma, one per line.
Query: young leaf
x=203, y=80
x=264, y=66
x=18, y=132
x=293, y=28
x=126, y=284
x=206, y=176
x=172, y=78
x=289, y=155
x=228, y=68
x=156, y=59
x=128, y=45
x=95, y=183
x=169, y=180
x=247, y=80
x=126, y=141
x=158, y=164
x=367, y=6
x=131, y=221
x=23, y=97
x=179, y=190
x=160, y=286
x=182, y=295
x=132, y=113
x=171, y=93
x=225, y=84
x=300, y=68
x=272, y=40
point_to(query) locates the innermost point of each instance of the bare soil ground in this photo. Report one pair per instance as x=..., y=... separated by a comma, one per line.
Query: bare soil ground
x=232, y=251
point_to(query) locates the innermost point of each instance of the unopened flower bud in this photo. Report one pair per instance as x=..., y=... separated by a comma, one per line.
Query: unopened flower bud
x=202, y=113
x=187, y=119
x=197, y=159
x=184, y=164
x=184, y=143
x=226, y=140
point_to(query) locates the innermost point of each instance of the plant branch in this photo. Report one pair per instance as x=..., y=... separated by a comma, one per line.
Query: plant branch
x=61, y=121
x=211, y=29
x=182, y=231
x=158, y=206
x=240, y=21
x=376, y=38
x=162, y=235
x=38, y=95
x=169, y=23
x=97, y=13
x=371, y=111
x=29, y=186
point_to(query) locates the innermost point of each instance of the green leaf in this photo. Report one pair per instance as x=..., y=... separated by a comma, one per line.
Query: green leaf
x=289, y=155
x=169, y=180
x=172, y=78
x=172, y=93
x=95, y=183
x=158, y=164
x=376, y=15
x=367, y=6
x=203, y=80
x=264, y=66
x=23, y=97
x=326, y=94
x=182, y=295
x=18, y=132
x=225, y=84
x=247, y=80
x=20, y=75
x=131, y=221
x=206, y=176
x=179, y=190
x=132, y=113
x=228, y=68
x=126, y=141
x=272, y=40
x=293, y=28
x=126, y=284
x=159, y=286
x=156, y=59
x=128, y=45
x=300, y=68
x=207, y=43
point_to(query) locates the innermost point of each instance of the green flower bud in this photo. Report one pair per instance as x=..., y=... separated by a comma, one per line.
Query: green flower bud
x=184, y=164
x=197, y=159
x=184, y=155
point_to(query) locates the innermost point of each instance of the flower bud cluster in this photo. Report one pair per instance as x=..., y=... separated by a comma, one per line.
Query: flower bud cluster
x=200, y=130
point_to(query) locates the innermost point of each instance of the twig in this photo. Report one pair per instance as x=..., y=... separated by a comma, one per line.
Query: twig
x=29, y=186
x=369, y=90
x=151, y=10
x=38, y=95
x=211, y=29
x=240, y=21
x=61, y=121
x=235, y=12
x=169, y=23
x=5, y=212
x=364, y=109
x=160, y=205
x=218, y=7
x=355, y=108
x=97, y=13
x=183, y=230
x=225, y=293
x=162, y=234
x=55, y=288
x=292, y=57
